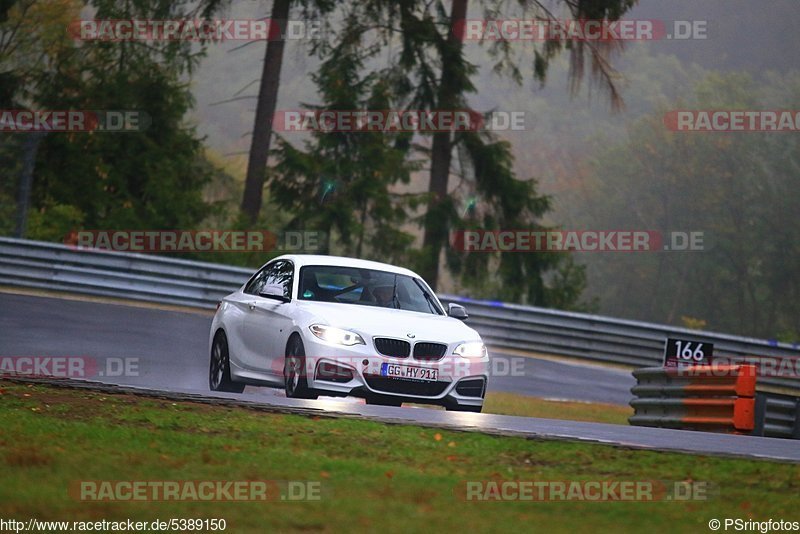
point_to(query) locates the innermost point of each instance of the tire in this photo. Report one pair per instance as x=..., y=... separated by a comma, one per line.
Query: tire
x=295, y=381
x=464, y=408
x=219, y=369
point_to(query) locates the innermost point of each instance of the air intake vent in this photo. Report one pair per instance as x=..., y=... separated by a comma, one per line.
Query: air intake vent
x=473, y=387
x=429, y=352
x=393, y=347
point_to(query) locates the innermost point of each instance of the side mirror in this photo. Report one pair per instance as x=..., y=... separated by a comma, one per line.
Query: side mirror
x=274, y=291
x=457, y=311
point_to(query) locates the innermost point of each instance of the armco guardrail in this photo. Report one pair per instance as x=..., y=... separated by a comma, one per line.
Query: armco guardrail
x=777, y=416
x=156, y=279
x=710, y=397
x=133, y=276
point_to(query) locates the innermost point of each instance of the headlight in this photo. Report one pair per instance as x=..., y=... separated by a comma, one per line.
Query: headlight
x=474, y=349
x=336, y=335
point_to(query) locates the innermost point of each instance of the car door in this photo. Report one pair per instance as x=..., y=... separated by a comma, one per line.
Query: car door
x=268, y=320
x=237, y=315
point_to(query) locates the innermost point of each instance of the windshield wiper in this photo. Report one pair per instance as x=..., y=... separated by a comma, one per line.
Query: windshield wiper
x=395, y=300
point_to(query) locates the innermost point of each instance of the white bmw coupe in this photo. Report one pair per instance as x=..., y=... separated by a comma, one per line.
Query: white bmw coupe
x=326, y=325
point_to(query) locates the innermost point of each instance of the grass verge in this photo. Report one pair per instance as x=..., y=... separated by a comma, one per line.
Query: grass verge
x=373, y=476
x=522, y=405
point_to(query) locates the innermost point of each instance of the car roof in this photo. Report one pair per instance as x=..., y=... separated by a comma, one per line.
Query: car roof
x=302, y=260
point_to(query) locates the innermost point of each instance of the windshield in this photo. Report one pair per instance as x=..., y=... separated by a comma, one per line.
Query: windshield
x=366, y=287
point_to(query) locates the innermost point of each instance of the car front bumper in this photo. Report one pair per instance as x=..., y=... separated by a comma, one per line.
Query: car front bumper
x=356, y=370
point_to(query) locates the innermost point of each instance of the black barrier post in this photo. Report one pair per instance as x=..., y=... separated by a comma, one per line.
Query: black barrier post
x=760, y=414
x=796, y=432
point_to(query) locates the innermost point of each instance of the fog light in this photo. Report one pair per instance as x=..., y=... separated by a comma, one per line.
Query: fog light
x=330, y=372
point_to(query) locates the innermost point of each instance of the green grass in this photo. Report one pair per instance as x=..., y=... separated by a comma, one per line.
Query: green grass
x=374, y=477
x=513, y=404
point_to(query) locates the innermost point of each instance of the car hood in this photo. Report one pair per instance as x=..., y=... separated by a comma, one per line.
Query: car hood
x=372, y=321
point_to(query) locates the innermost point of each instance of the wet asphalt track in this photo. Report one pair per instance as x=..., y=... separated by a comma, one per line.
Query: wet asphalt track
x=171, y=348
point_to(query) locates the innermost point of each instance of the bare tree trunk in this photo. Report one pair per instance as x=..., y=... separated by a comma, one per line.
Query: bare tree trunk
x=265, y=109
x=29, y=148
x=442, y=151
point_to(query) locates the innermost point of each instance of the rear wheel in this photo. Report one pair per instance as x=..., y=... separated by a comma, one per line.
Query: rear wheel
x=294, y=371
x=219, y=371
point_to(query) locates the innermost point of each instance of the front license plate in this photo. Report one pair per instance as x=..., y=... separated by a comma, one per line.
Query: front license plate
x=408, y=372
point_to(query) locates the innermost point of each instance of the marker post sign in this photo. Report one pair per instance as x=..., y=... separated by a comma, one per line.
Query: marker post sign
x=679, y=352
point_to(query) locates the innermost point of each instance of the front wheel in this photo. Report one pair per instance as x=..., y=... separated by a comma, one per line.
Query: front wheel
x=294, y=371
x=219, y=371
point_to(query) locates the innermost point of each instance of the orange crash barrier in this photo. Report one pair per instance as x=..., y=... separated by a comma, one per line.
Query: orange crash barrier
x=714, y=398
